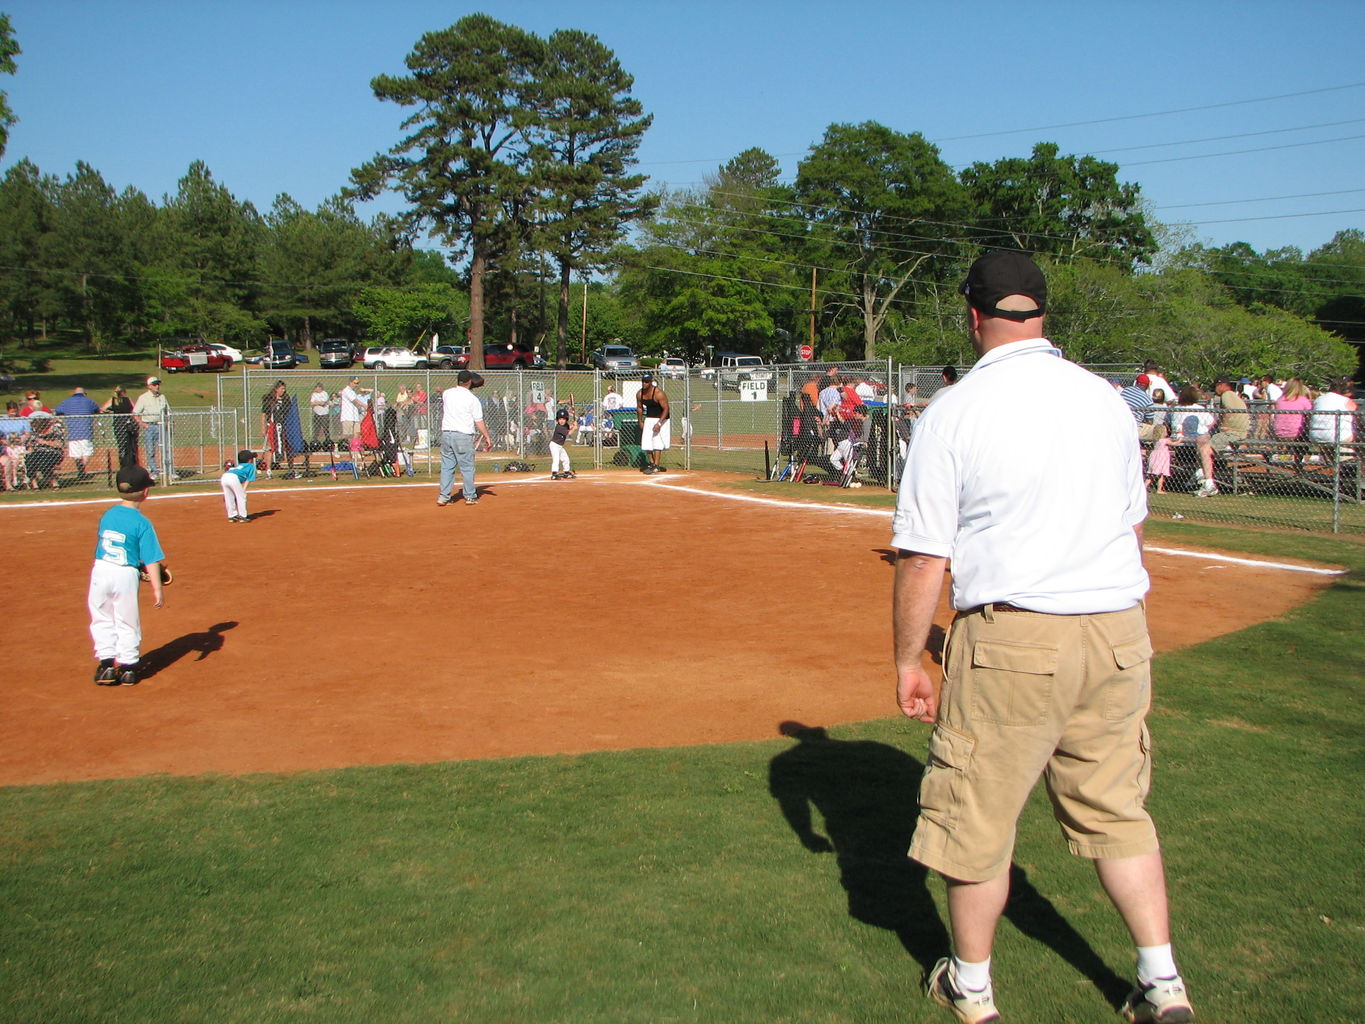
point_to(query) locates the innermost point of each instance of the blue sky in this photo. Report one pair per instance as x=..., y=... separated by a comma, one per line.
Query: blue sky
x=275, y=97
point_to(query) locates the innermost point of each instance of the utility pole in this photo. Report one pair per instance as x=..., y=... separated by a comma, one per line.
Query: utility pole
x=813, y=310
x=583, y=336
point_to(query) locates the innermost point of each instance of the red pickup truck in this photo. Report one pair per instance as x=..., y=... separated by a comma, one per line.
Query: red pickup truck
x=195, y=359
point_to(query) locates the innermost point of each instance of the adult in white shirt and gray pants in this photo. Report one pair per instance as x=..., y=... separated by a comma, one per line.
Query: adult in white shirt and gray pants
x=461, y=418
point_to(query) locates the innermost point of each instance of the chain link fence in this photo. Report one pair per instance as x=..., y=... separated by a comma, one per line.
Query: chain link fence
x=752, y=420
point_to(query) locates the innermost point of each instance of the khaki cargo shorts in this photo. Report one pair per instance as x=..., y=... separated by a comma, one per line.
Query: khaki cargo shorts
x=1027, y=694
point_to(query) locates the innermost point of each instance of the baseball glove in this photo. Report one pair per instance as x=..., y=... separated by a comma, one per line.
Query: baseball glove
x=166, y=577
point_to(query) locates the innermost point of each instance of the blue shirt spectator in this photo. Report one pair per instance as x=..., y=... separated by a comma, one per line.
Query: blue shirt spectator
x=78, y=410
x=1139, y=402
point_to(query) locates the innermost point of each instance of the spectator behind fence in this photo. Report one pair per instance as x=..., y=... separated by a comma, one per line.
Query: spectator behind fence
x=1233, y=424
x=910, y=402
x=354, y=400
x=14, y=431
x=11, y=458
x=808, y=403
x=125, y=426
x=830, y=399
x=321, y=404
x=1267, y=390
x=46, y=444
x=78, y=411
x=1189, y=418
x=1159, y=460
x=152, y=412
x=1140, y=403
x=407, y=415
x=1161, y=412
x=282, y=431
x=1331, y=422
x=1289, y=410
x=33, y=402
x=419, y=407
x=1155, y=380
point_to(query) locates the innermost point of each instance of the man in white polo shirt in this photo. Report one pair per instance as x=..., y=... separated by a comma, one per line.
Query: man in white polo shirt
x=1047, y=664
x=461, y=417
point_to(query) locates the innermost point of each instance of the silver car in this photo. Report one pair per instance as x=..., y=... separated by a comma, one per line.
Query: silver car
x=615, y=359
x=673, y=367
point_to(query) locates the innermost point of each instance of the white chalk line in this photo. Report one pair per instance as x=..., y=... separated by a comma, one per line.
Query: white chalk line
x=670, y=485
x=887, y=513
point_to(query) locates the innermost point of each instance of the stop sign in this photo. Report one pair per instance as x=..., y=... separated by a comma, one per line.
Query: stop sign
x=807, y=353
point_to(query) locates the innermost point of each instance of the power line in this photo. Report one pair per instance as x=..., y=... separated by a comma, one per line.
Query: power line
x=1263, y=199
x=1079, y=124
x=1241, y=152
x=1225, y=138
x=1157, y=113
x=1281, y=216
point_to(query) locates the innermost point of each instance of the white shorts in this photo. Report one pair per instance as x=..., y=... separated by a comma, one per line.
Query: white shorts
x=652, y=442
x=80, y=449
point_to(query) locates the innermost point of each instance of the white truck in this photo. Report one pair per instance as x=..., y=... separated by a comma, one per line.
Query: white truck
x=732, y=368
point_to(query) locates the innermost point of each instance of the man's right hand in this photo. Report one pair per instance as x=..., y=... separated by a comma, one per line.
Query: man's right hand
x=915, y=694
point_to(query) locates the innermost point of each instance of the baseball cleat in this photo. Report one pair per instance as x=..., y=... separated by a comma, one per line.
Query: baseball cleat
x=105, y=673
x=128, y=675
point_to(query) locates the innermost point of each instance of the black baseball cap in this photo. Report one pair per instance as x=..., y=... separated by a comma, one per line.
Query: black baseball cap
x=647, y=379
x=1001, y=273
x=246, y=455
x=132, y=479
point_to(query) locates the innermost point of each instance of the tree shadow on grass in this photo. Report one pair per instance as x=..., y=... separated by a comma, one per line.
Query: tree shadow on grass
x=169, y=653
x=867, y=794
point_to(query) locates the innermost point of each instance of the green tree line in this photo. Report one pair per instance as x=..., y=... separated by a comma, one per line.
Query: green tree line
x=516, y=157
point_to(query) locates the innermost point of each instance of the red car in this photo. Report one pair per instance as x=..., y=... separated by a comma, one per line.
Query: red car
x=195, y=359
x=505, y=356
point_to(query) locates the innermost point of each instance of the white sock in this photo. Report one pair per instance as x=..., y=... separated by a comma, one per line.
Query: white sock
x=976, y=977
x=1155, y=962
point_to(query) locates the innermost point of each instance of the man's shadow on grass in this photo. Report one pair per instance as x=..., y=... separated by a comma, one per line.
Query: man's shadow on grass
x=169, y=653
x=868, y=795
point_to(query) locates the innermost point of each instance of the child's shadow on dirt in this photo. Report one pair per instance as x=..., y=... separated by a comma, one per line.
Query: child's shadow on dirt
x=868, y=795
x=169, y=653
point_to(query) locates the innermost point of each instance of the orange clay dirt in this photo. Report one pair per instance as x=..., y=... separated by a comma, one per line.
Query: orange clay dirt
x=367, y=626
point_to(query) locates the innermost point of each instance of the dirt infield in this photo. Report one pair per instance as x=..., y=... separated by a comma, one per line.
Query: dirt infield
x=370, y=627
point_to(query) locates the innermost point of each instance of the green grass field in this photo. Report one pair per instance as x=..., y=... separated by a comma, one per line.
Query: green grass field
x=674, y=885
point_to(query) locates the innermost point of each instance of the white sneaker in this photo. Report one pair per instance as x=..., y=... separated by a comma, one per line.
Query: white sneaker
x=1207, y=490
x=1163, y=1001
x=969, y=1007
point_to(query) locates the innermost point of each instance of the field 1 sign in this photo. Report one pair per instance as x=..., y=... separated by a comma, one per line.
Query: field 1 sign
x=753, y=391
